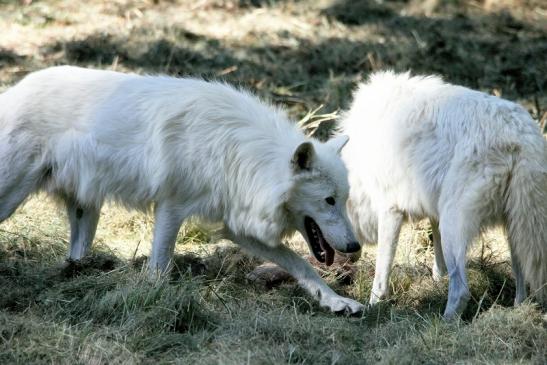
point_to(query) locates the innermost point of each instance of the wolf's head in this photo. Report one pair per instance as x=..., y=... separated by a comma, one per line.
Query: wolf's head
x=318, y=200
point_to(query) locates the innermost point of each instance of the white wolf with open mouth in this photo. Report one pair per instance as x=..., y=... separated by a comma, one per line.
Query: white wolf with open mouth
x=422, y=148
x=184, y=146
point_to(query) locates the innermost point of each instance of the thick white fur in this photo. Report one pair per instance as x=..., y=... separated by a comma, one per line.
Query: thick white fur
x=420, y=147
x=186, y=147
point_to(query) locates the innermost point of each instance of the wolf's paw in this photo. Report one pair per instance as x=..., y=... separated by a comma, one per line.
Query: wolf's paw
x=455, y=308
x=342, y=305
x=438, y=273
x=376, y=298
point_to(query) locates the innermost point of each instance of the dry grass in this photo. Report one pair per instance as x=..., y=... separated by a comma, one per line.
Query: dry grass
x=104, y=311
x=301, y=54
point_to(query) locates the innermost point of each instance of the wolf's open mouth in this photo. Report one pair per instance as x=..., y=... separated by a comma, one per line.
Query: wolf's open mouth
x=319, y=246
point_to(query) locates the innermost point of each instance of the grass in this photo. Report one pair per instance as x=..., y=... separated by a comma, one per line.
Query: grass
x=303, y=55
x=104, y=310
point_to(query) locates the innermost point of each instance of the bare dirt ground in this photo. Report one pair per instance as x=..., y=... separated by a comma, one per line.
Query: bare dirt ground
x=300, y=54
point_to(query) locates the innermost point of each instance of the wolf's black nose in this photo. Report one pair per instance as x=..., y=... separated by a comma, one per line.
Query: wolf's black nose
x=353, y=247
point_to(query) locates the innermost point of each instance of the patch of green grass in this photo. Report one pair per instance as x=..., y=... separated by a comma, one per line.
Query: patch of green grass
x=30, y=339
x=103, y=298
x=106, y=310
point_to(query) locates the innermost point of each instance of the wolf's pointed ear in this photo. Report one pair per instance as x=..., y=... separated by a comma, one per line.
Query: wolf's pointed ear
x=303, y=157
x=338, y=142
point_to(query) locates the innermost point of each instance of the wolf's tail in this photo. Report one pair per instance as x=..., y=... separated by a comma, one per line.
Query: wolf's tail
x=526, y=211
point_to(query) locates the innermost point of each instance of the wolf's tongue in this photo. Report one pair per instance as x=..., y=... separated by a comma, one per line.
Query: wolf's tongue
x=329, y=252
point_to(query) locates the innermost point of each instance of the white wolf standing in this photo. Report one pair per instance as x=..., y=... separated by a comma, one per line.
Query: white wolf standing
x=422, y=148
x=188, y=147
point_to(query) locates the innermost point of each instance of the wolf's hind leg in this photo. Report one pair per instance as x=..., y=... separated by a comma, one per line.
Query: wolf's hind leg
x=461, y=215
x=521, y=293
x=439, y=267
x=12, y=198
x=83, y=225
x=468, y=197
x=457, y=229
x=389, y=226
x=303, y=272
x=17, y=181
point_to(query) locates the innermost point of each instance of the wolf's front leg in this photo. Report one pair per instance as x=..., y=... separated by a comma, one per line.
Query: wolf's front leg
x=83, y=225
x=303, y=272
x=168, y=219
x=389, y=226
x=439, y=267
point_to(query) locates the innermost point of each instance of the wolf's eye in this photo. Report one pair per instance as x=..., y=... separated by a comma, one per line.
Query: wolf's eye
x=330, y=200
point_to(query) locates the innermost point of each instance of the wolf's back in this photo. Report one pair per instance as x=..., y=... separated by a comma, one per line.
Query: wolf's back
x=60, y=98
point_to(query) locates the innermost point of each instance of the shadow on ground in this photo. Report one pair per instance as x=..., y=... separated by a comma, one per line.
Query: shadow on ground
x=488, y=50
x=76, y=309
x=483, y=50
x=23, y=277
